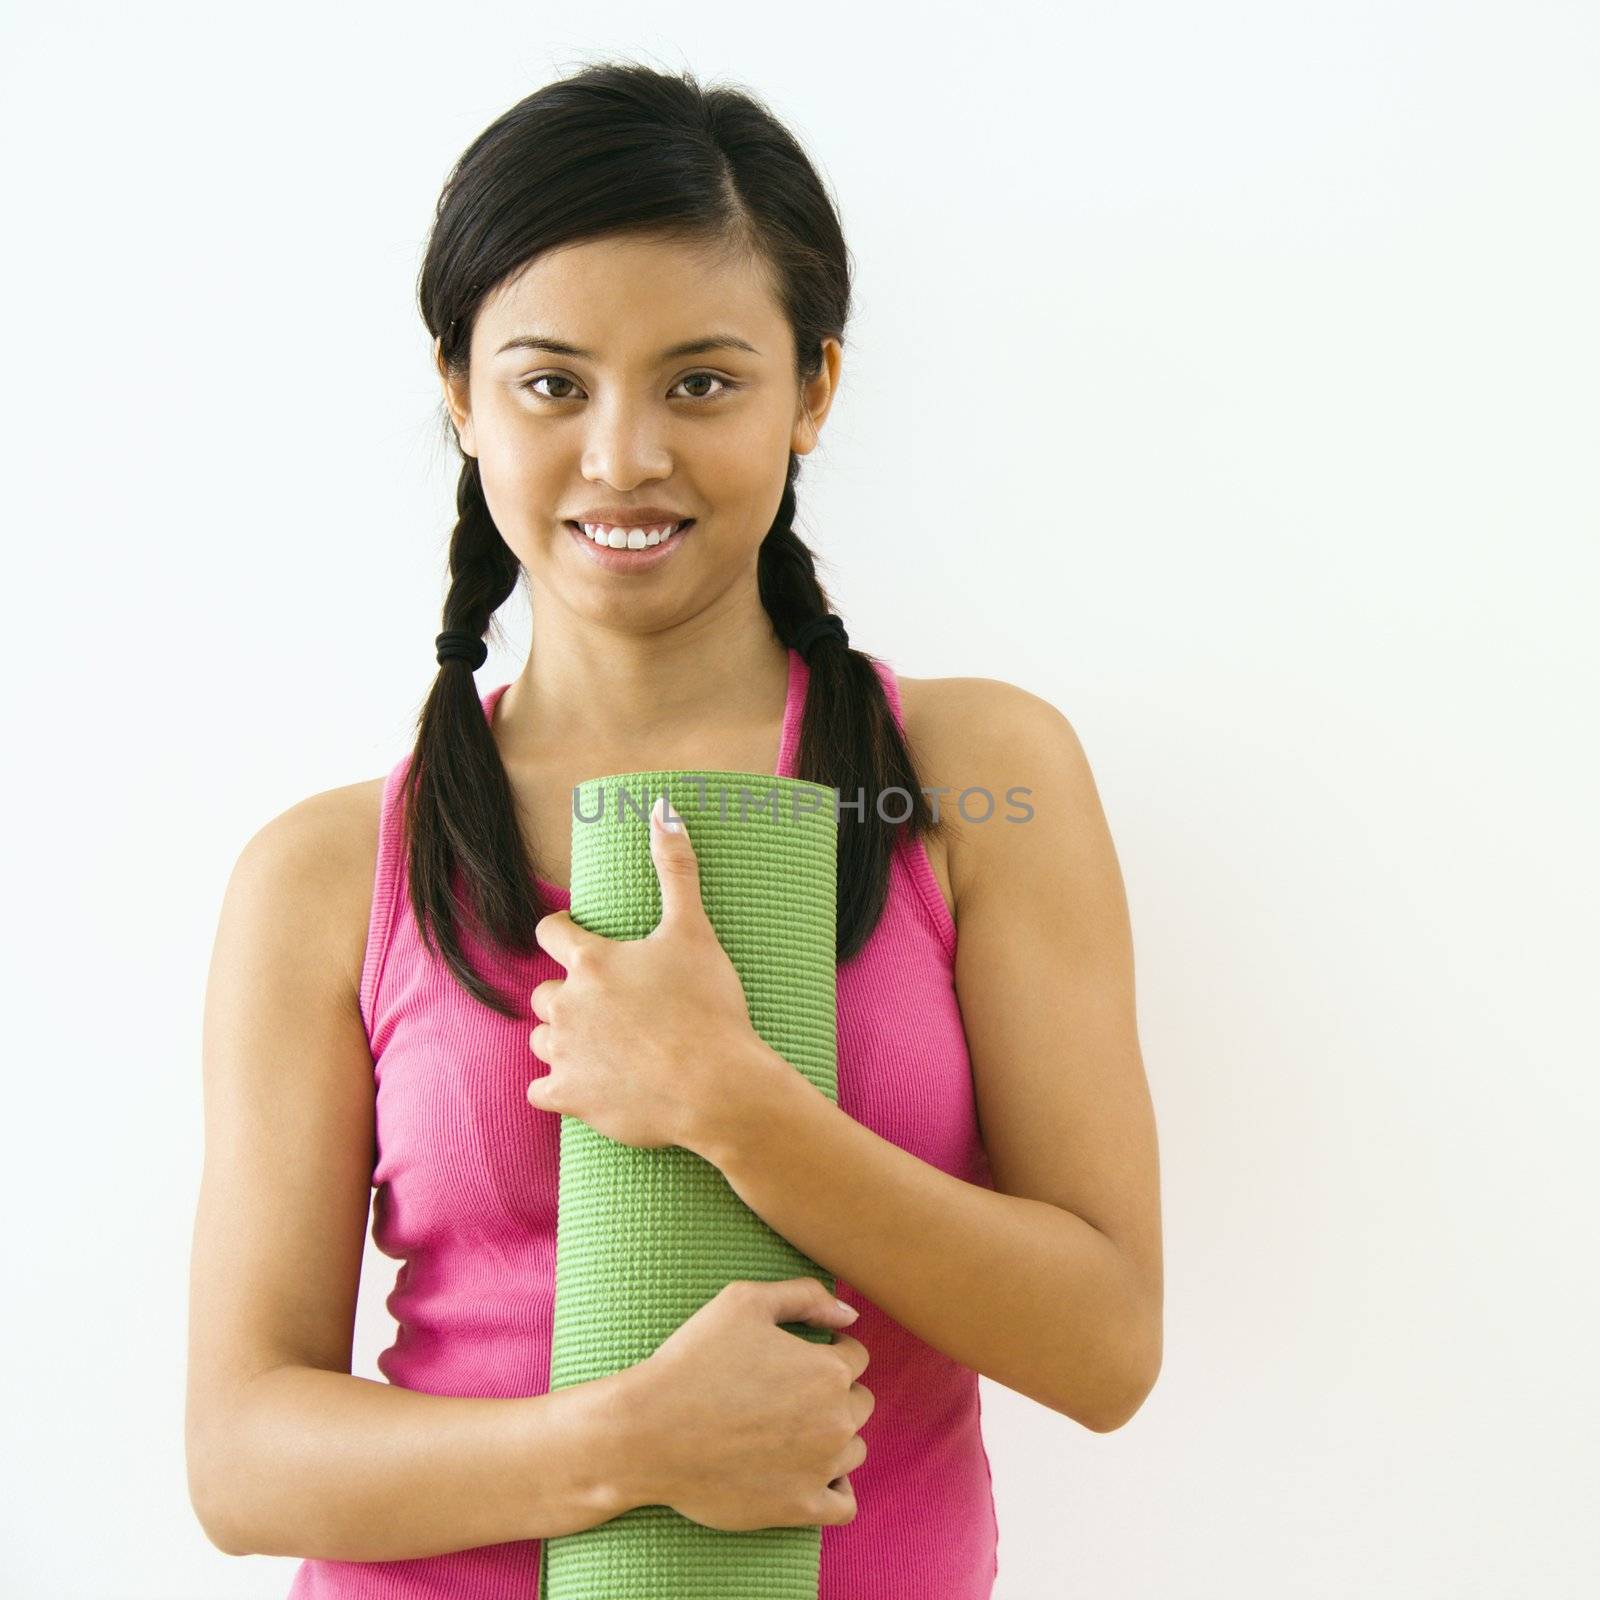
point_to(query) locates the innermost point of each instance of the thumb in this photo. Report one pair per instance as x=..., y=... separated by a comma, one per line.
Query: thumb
x=806, y=1300
x=677, y=866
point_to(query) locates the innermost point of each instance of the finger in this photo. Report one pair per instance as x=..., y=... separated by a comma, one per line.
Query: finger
x=677, y=866
x=559, y=936
x=543, y=998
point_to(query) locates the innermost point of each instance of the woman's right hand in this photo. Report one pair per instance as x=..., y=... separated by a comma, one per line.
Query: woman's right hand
x=747, y=1425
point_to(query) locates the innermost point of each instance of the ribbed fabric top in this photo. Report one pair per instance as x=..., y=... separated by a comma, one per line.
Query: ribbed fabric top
x=467, y=1179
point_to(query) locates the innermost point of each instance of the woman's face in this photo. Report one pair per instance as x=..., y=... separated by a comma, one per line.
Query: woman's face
x=625, y=424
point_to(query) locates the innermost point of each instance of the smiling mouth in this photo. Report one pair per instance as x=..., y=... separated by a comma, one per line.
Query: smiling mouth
x=606, y=537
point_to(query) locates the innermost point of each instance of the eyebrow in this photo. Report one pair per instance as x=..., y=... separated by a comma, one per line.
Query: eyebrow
x=689, y=347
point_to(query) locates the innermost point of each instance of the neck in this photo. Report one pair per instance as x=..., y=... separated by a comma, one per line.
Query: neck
x=591, y=690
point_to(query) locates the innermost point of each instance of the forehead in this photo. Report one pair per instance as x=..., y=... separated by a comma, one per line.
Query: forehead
x=628, y=297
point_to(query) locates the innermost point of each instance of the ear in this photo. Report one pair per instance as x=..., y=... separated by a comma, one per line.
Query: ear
x=816, y=400
x=457, y=402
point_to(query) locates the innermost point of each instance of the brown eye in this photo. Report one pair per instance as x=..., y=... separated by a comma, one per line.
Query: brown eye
x=728, y=386
x=548, y=377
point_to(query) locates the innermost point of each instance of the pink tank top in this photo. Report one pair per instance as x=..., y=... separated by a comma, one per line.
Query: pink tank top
x=466, y=1181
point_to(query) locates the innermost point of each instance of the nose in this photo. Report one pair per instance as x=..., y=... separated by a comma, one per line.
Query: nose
x=625, y=445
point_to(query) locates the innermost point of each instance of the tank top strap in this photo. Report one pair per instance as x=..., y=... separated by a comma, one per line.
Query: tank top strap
x=891, y=691
x=387, y=890
x=794, y=710
x=795, y=707
x=915, y=851
x=912, y=852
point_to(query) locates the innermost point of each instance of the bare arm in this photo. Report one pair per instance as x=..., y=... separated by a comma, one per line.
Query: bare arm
x=288, y=1453
x=320, y=1463
x=1052, y=1283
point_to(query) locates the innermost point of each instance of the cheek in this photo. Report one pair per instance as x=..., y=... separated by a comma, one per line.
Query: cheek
x=522, y=487
x=508, y=503
x=738, y=462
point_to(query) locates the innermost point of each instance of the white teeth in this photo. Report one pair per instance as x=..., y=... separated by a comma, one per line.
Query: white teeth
x=628, y=538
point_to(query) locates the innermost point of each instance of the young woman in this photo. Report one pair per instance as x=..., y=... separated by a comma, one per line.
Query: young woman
x=638, y=291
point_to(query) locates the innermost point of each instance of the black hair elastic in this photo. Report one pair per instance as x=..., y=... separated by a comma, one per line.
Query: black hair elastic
x=454, y=645
x=828, y=622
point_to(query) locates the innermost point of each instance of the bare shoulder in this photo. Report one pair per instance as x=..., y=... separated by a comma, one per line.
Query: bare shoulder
x=999, y=741
x=325, y=847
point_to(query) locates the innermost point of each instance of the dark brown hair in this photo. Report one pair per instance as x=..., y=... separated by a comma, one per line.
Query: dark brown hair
x=620, y=147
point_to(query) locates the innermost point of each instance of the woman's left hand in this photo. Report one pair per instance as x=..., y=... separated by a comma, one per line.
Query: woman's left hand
x=644, y=1037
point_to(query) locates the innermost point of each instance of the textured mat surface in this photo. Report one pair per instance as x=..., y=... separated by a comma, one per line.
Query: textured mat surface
x=647, y=1237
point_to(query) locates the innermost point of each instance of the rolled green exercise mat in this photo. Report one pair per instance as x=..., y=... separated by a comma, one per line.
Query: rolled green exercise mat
x=644, y=1238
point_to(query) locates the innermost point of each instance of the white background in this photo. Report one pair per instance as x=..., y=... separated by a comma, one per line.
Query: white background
x=1224, y=374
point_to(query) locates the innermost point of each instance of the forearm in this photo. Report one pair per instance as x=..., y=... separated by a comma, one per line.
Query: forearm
x=318, y=1463
x=1022, y=1291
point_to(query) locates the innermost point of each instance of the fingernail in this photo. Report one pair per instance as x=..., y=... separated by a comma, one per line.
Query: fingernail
x=849, y=1311
x=671, y=822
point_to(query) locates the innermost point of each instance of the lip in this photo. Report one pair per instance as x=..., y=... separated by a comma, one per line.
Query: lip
x=631, y=516
x=629, y=560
